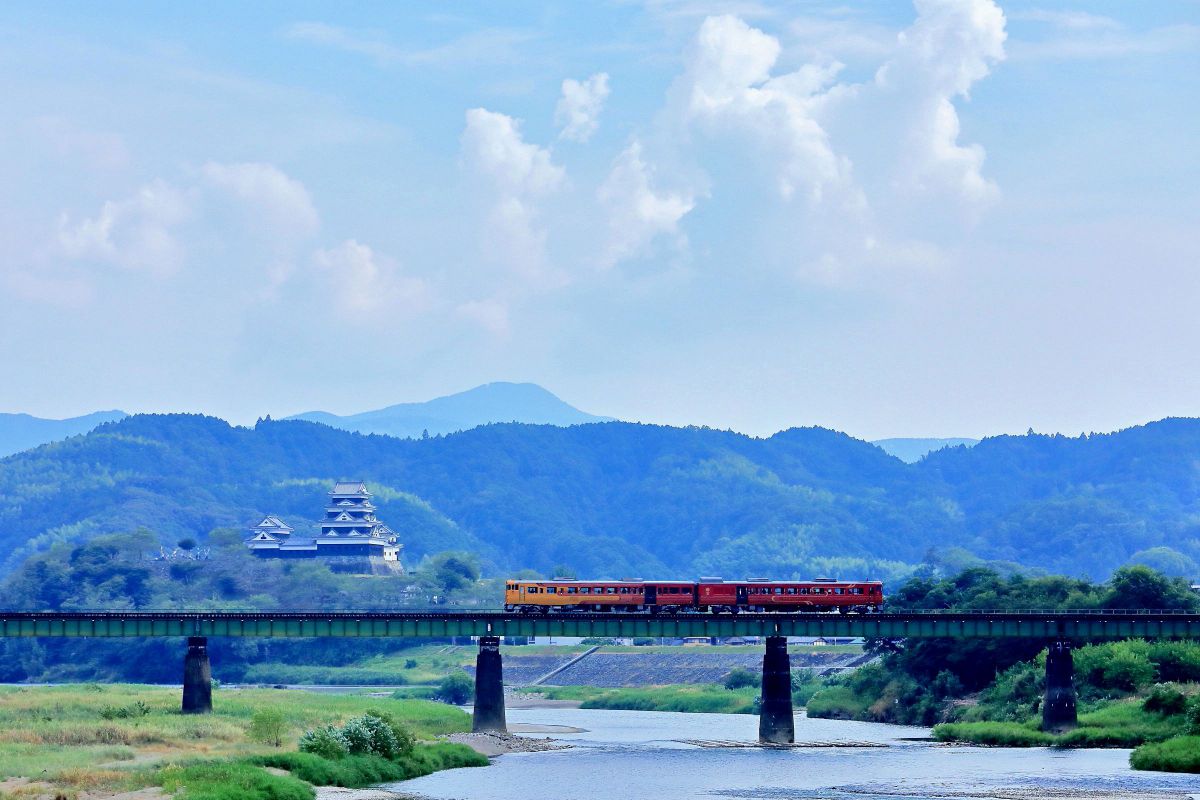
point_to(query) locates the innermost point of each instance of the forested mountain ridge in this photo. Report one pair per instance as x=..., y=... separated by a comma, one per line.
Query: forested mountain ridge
x=617, y=499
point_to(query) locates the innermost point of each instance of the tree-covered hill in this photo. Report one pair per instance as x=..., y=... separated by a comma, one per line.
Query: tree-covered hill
x=620, y=499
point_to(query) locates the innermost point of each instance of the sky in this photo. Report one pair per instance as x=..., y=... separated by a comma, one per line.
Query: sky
x=949, y=218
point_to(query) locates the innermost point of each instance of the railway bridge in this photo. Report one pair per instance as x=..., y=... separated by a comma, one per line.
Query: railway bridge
x=1058, y=629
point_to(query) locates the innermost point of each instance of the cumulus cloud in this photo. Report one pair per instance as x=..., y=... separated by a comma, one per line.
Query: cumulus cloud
x=578, y=110
x=137, y=233
x=728, y=86
x=519, y=176
x=637, y=213
x=274, y=198
x=366, y=284
x=951, y=46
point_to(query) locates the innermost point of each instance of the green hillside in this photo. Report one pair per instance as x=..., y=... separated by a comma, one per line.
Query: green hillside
x=626, y=499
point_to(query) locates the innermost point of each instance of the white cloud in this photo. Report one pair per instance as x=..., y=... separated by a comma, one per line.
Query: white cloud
x=520, y=175
x=578, y=110
x=728, y=85
x=136, y=233
x=636, y=212
x=367, y=284
x=951, y=46
x=274, y=198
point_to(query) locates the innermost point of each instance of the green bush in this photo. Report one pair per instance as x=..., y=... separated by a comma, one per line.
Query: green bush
x=267, y=726
x=457, y=689
x=405, y=740
x=739, y=678
x=232, y=780
x=1165, y=700
x=1181, y=754
x=326, y=742
x=370, y=735
x=357, y=771
x=1001, y=734
x=1193, y=716
x=836, y=702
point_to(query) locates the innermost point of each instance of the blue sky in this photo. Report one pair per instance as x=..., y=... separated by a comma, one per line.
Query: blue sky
x=956, y=217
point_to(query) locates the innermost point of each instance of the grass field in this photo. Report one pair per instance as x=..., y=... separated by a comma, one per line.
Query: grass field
x=116, y=737
x=1121, y=724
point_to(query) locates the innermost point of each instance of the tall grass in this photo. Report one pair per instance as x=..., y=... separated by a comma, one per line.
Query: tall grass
x=76, y=738
x=1181, y=754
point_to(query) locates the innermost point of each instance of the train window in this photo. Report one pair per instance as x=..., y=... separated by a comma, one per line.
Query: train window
x=570, y=590
x=624, y=590
x=856, y=590
x=839, y=590
x=778, y=590
x=551, y=590
x=791, y=590
x=584, y=590
x=610, y=590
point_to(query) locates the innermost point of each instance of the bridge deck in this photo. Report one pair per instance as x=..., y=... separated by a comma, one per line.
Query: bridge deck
x=982, y=624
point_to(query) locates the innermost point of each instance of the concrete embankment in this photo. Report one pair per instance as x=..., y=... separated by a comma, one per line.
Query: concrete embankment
x=606, y=669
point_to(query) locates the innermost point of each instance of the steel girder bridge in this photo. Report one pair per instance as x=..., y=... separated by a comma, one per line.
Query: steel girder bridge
x=1058, y=629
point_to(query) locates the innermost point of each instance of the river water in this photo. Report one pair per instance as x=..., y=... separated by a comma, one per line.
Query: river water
x=638, y=755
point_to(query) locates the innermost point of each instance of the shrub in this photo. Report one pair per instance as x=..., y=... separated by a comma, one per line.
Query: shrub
x=405, y=740
x=1193, y=716
x=644, y=641
x=1003, y=734
x=370, y=735
x=232, y=780
x=327, y=742
x=267, y=726
x=1181, y=754
x=457, y=688
x=1165, y=700
x=410, y=663
x=739, y=678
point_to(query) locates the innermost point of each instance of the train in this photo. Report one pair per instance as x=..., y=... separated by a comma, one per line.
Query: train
x=707, y=595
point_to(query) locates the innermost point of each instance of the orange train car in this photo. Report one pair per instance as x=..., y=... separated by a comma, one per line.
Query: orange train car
x=705, y=595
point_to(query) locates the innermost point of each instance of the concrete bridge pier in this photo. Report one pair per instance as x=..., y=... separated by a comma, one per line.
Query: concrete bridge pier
x=489, y=687
x=775, y=722
x=197, y=677
x=1058, y=706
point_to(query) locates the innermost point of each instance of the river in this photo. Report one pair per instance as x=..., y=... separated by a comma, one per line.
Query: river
x=636, y=755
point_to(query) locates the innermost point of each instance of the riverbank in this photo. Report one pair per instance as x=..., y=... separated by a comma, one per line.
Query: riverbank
x=647, y=754
x=128, y=741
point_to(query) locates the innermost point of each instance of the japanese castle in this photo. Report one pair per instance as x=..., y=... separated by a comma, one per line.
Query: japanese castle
x=350, y=537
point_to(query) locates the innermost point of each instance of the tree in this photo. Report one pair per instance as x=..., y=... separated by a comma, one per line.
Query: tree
x=739, y=678
x=186, y=544
x=457, y=689
x=1142, y=588
x=267, y=726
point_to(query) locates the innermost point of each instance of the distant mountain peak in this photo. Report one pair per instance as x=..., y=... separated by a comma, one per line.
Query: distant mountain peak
x=501, y=401
x=913, y=450
x=24, y=432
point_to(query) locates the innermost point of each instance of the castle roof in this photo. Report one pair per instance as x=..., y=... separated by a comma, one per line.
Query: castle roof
x=350, y=487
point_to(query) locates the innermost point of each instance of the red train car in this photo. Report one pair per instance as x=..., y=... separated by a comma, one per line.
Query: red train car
x=707, y=595
x=761, y=595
